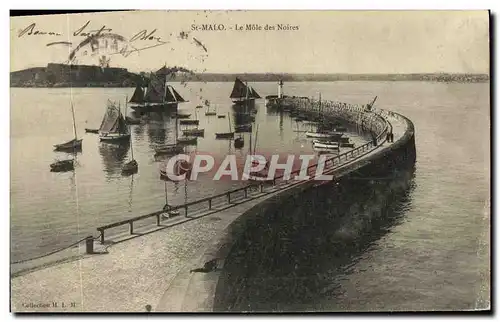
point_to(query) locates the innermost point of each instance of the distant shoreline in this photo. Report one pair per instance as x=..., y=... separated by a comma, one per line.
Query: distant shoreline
x=60, y=76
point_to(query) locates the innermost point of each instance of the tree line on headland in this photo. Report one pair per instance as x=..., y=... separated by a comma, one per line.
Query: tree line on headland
x=60, y=75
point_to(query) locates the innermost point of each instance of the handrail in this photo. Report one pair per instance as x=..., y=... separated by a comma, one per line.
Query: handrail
x=227, y=194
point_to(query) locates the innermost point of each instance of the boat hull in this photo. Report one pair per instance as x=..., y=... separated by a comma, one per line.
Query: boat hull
x=114, y=138
x=194, y=132
x=73, y=145
x=224, y=135
x=91, y=130
x=62, y=166
x=324, y=135
x=169, y=149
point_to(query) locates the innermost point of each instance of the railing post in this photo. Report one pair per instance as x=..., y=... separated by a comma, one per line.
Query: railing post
x=89, y=245
x=261, y=187
x=158, y=220
x=186, y=209
x=209, y=204
x=131, y=227
x=246, y=192
x=229, y=197
x=102, y=236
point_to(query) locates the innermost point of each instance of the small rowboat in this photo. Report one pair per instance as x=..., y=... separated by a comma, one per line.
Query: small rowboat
x=114, y=137
x=189, y=122
x=169, y=149
x=210, y=113
x=181, y=116
x=328, y=135
x=326, y=145
x=243, y=128
x=194, y=132
x=225, y=135
x=346, y=145
x=92, y=130
x=221, y=116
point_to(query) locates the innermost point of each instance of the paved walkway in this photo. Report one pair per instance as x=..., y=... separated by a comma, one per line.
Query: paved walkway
x=135, y=272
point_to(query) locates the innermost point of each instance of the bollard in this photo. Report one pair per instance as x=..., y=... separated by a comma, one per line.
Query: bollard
x=89, y=245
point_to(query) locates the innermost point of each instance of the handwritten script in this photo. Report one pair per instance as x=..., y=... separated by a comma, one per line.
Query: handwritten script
x=98, y=39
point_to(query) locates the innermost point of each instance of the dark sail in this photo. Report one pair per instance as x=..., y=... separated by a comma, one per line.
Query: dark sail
x=178, y=97
x=113, y=121
x=155, y=91
x=239, y=89
x=138, y=96
x=253, y=93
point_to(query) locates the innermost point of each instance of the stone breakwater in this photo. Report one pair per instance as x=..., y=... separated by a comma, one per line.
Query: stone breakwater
x=219, y=290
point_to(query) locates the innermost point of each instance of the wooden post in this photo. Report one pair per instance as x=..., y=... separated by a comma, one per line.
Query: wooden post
x=261, y=187
x=228, y=197
x=158, y=220
x=102, y=236
x=89, y=245
x=131, y=227
x=246, y=192
x=209, y=204
x=186, y=208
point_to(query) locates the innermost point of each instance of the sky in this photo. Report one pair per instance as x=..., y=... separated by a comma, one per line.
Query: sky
x=325, y=42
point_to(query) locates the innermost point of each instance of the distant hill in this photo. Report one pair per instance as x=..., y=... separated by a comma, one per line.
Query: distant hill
x=61, y=75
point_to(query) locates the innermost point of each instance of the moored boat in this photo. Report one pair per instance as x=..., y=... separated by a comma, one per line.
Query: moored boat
x=73, y=145
x=92, y=130
x=189, y=122
x=194, y=132
x=326, y=145
x=239, y=143
x=132, y=120
x=324, y=134
x=242, y=94
x=243, y=128
x=169, y=149
x=113, y=127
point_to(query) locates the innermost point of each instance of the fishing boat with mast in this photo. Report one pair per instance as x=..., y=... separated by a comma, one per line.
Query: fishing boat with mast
x=113, y=128
x=225, y=135
x=196, y=131
x=73, y=145
x=159, y=95
x=242, y=94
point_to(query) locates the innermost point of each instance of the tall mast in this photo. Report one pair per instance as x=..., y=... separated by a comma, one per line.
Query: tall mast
x=131, y=148
x=74, y=123
x=126, y=100
x=229, y=120
x=255, y=143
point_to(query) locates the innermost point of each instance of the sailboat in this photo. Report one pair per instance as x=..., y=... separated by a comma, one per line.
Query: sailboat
x=132, y=166
x=242, y=93
x=113, y=128
x=137, y=99
x=128, y=119
x=158, y=95
x=73, y=145
x=225, y=135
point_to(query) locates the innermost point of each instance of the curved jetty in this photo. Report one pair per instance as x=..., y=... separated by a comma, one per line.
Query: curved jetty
x=176, y=264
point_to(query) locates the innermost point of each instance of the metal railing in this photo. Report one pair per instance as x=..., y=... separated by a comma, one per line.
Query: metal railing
x=330, y=165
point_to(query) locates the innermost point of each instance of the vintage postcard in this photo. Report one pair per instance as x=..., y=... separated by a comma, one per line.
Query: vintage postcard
x=250, y=161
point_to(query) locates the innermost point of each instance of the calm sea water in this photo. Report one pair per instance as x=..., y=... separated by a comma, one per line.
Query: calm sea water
x=432, y=252
x=419, y=241
x=53, y=210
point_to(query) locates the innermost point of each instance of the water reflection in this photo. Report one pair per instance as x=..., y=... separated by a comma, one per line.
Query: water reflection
x=290, y=257
x=113, y=157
